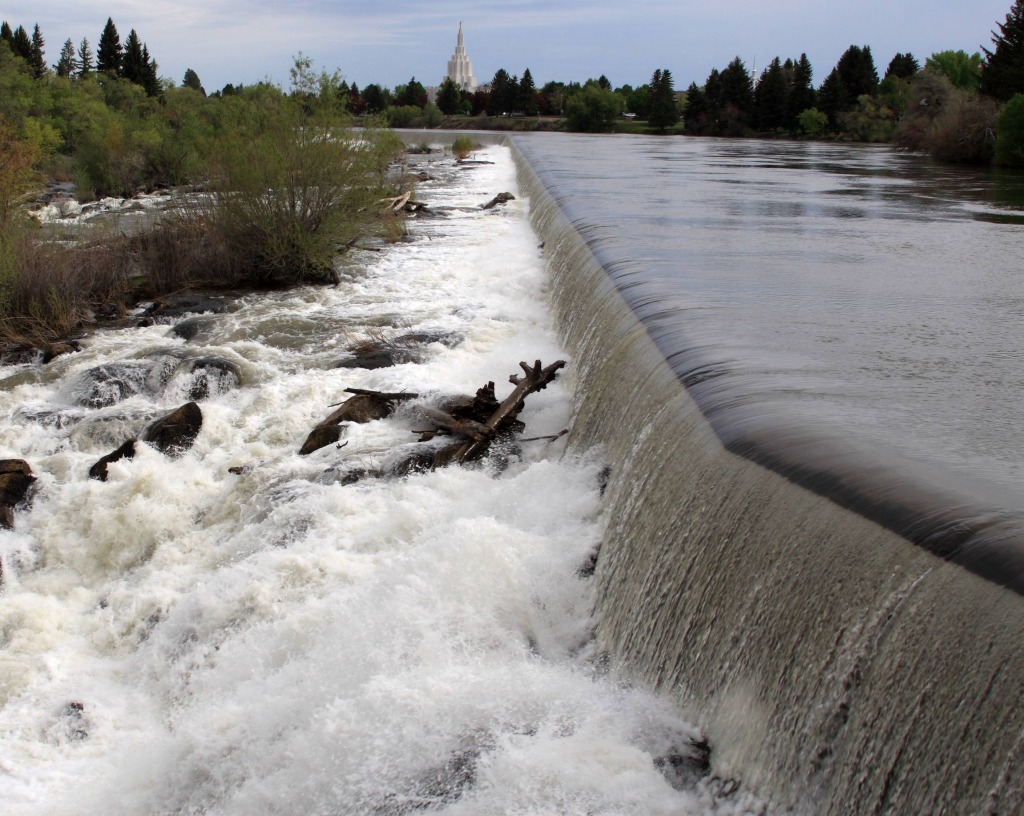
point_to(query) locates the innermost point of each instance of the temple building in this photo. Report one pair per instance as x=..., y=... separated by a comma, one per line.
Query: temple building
x=460, y=69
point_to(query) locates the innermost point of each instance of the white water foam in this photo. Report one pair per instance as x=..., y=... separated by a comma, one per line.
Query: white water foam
x=182, y=640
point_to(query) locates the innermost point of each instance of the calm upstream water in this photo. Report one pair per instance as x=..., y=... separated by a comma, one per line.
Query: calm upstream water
x=846, y=291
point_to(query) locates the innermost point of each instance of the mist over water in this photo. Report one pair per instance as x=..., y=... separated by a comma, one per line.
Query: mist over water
x=179, y=639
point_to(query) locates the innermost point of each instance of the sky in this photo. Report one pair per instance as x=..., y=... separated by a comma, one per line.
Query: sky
x=391, y=41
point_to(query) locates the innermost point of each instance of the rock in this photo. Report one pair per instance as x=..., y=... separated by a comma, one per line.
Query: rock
x=185, y=303
x=110, y=383
x=384, y=357
x=320, y=437
x=175, y=433
x=15, y=480
x=360, y=408
x=55, y=350
x=212, y=375
x=6, y=518
x=500, y=198
x=99, y=470
x=192, y=328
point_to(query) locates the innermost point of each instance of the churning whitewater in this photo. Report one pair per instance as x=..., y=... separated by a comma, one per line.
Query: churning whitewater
x=181, y=639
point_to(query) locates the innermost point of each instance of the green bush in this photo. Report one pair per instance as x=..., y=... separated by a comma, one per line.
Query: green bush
x=812, y=122
x=462, y=146
x=1009, y=150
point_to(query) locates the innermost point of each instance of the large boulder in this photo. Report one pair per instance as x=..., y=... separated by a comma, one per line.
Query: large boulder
x=211, y=376
x=175, y=433
x=15, y=480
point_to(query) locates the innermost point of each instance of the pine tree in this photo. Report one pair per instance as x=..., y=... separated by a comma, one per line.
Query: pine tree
x=902, y=66
x=85, y=55
x=771, y=97
x=696, y=111
x=527, y=95
x=664, y=112
x=502, y=95
x=1002, y=74
x=108, y=54
x=7, y=35
x=21, y=44
x=66, y=63
x=37, y=58
x=150, y=80
x=737, y=95
x=853, y=76
x=448, y=97
x=801, y=92
x=192, y=81
x=133, y=65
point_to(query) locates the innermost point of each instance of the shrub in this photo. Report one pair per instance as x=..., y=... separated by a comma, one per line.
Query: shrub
x=462, y=147
x=812, y=122
x=1009, y=151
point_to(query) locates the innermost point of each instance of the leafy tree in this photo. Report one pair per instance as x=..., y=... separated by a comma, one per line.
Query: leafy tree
x=771, y=98
x=449, y=97
x=526, y=95
x=1010, y=134
x=108, y=54
x=66, y=63
x=959, y=67
x=85, y=57
x=664, y=111
x=902, y=66
x=37, y=59
x=191, y=80
x=1002, y=74
x=593, y=109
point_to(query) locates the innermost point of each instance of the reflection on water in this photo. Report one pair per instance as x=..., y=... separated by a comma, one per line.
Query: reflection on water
x=855, y=290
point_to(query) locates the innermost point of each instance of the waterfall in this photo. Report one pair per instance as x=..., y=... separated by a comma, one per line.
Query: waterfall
x=811, y=619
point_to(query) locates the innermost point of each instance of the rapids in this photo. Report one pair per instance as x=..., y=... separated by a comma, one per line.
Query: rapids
x=180, y=640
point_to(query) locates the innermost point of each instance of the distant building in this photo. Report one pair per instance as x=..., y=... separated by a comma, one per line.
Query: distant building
x=460, y=69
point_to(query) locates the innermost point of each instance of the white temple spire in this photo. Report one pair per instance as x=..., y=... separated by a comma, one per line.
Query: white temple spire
x=460, y=69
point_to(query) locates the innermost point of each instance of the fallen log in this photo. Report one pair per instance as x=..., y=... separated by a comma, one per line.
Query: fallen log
x=500, y=198
x=535, y=378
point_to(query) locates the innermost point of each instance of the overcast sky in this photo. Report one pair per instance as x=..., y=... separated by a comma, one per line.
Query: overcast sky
x=389, y=41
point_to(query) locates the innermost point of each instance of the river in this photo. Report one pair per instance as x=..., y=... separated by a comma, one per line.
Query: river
x=184, y=639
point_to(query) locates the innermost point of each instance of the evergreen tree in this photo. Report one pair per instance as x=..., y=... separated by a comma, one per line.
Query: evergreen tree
x=66, y=63
x=449, y=97
x=191, y=80
x=853, y=76
x=85, y=55
x=7, y=35
x=737, y=101
x=696, y=111
x=37, y=59
x=1002, y=74
x=150, y=80
x=771, y=97
x=664, y=112
x=503, y=92
x=902, y=66
x=133, y=65
x=603, y=83
x=413, y=94
x=21, y=44
x=801, y=92
x=108, y=54
x=527, y=95
x=376, y=98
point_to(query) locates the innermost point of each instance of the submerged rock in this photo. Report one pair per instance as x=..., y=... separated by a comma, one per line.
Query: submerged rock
x=111, y=383
x=211, y=376
x=55, y=350
x=185, y=303
x=360, y=408
x=500, y=198
x=99, y=470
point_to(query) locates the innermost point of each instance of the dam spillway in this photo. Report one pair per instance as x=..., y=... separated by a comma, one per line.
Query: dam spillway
x=840, y=613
